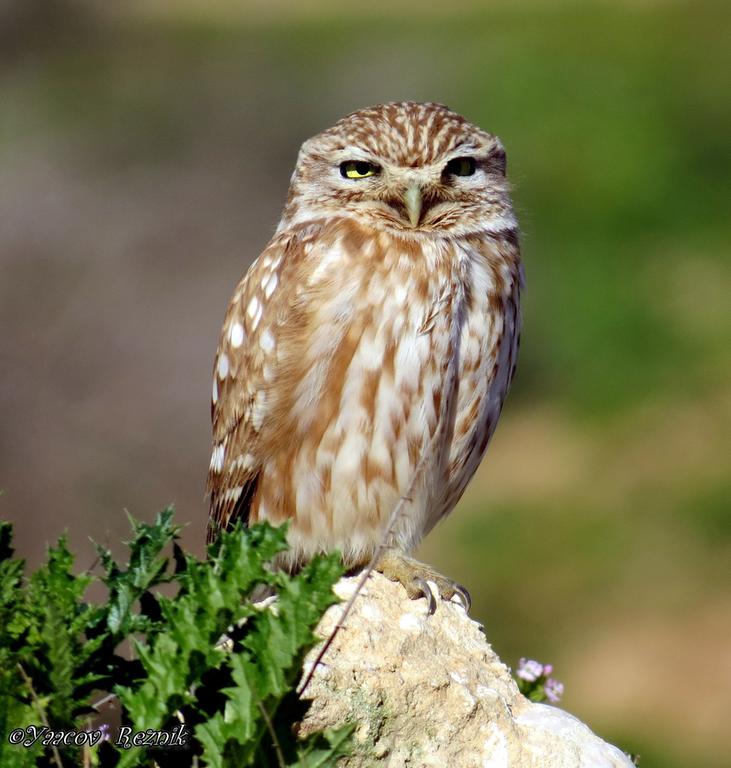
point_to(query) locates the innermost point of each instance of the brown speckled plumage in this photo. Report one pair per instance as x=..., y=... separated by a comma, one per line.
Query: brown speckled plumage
x=332, y=375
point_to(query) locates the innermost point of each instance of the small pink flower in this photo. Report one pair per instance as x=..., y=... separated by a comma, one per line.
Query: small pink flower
x=529, y=669
x=553, y=690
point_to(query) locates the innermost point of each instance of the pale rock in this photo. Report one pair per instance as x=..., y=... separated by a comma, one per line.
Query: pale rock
x=428, y=691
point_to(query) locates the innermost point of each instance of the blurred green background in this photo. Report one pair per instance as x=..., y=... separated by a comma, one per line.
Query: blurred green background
x=145, y=152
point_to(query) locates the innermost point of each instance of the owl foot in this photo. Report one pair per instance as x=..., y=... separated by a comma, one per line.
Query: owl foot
x=415, y=578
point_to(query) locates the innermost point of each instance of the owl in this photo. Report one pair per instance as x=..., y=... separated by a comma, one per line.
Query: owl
x=366, y=354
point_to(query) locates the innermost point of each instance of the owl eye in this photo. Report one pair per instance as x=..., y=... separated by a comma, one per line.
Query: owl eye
x=358, y=169
x=461, y=166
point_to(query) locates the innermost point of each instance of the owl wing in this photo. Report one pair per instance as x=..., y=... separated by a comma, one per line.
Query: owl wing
x=244, y=369
x=486, y=374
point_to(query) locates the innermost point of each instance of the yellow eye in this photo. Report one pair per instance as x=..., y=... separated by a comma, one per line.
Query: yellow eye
x=358, y=169
x=461, y=166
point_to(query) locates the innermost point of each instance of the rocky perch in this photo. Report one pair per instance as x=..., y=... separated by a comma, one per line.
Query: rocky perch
x=430, y=691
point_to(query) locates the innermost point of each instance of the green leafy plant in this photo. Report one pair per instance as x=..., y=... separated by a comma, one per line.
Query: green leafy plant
x=206, y=663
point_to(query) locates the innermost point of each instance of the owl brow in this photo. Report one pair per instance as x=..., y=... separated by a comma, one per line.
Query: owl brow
x=483, y=156
x=462, y=150
x=354, y=153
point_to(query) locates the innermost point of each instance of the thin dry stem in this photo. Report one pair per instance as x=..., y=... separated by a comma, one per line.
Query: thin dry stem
x=41, y=712
x=272, y=733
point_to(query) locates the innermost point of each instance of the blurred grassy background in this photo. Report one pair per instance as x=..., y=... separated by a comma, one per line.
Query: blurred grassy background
x=144, y=157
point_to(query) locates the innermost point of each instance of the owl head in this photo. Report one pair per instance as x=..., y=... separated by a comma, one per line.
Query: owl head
x=413, y=168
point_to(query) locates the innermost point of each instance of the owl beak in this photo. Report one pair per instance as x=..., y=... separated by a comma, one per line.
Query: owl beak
x=413, y=201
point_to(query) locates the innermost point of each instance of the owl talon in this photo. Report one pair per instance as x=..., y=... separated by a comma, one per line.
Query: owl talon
x=422, y=589
x=463, y=596
x=415, y=578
